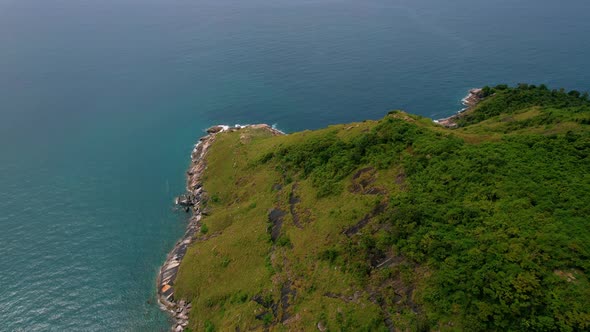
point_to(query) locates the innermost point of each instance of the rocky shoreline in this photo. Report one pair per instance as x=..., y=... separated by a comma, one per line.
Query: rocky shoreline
x=191, y=201
x=471, y=100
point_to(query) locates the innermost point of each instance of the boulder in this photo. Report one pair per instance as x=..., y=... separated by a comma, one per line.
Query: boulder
x=214, y=129
x=184, y=200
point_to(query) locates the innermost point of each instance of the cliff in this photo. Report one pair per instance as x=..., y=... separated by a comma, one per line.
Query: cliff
x=396, y=224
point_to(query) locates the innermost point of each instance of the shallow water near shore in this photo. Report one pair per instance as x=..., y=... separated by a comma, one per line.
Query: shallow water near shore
x=101, y=102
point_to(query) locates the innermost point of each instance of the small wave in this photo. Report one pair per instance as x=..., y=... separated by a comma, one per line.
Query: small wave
x=275, y=127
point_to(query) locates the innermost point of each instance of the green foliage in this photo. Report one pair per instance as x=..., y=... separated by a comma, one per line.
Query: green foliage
x=328, y=159
x=240, y=297
x=268, y=264
x=267, y=319
x=225, y=261
x=487, y=91
x=508, y=100
x=468, y=230
x=329, y=255
x=283, y=241
x=209, y=327
x=215, y=198
x=493, y=220
x=204, y=228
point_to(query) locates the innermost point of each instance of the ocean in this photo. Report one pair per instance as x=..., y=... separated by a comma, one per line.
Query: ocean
x=102, y=101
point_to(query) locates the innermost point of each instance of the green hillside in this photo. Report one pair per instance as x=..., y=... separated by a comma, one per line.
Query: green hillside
x=401, y=223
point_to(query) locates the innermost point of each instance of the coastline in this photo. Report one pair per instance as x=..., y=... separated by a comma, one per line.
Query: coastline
x=191, y=202
x=474, y=97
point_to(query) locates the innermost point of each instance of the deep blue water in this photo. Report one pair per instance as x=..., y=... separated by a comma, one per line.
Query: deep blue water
x=101, y=101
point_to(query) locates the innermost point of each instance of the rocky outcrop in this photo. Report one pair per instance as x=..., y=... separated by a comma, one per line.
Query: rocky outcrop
x=474, y=97
x=191, y=201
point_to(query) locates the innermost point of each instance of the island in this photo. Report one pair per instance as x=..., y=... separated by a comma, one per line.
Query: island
x=481, y=223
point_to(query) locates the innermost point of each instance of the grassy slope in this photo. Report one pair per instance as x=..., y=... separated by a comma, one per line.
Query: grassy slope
x=482, y=227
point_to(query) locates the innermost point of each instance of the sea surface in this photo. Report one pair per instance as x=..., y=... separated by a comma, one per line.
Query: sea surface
x=101, y=101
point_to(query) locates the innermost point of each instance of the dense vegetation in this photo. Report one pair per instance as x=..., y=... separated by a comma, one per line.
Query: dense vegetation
x=509, y=100
x=403, y=224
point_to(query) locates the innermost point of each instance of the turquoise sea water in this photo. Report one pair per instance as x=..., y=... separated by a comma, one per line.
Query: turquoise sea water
x=101, y=101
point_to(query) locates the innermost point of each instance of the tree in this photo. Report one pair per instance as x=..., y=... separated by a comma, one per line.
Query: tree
x=487, y=91
x=574, y=93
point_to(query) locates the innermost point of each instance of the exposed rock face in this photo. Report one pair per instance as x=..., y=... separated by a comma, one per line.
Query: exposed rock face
x=471, y=100
x=185, y=200
x=474, y=97
x=191, y=201
x=215, y=129
x=275, y=216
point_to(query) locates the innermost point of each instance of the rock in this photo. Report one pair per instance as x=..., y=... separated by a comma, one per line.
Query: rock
x=321, y=326
x=477, y=92
x=214, y=129
x=183, y=317
x=179, y=328
x=184, y=323
x=181, y=303
x=184, y=200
